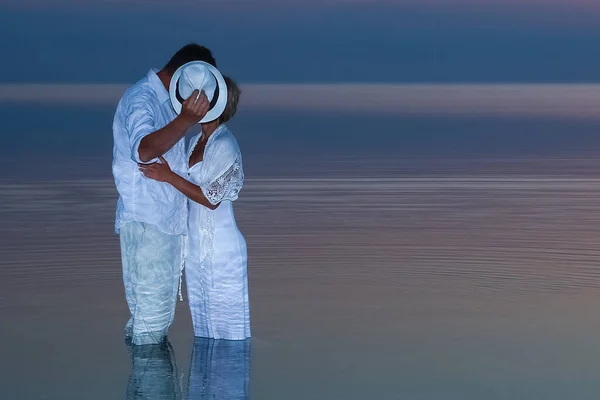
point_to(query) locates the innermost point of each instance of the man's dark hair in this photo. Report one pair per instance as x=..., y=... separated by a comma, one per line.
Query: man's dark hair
x=188, y=53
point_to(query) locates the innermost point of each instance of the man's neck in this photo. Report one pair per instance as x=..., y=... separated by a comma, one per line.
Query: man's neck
x=165, y=78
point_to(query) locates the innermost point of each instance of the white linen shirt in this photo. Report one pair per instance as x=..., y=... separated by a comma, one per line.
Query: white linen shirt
x=144, y=108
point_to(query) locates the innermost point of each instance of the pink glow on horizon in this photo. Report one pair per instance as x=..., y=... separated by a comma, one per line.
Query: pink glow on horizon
x=568, y=101
x=477, y=4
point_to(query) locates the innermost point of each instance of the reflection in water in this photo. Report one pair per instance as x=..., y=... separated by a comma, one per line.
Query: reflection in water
x=153, y=373
x=220, y=369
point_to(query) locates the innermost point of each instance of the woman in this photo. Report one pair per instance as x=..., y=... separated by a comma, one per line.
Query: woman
x=216, y=262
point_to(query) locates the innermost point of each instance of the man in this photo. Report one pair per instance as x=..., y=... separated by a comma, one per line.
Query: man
x=151, y=216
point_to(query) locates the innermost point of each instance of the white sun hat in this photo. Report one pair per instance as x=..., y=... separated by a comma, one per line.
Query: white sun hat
x=202, y=76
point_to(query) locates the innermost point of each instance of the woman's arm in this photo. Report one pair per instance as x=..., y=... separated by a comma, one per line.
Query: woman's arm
x=193, y=192
x=162, y=173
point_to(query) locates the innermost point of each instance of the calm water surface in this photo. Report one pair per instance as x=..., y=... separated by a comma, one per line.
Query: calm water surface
x=424, y=277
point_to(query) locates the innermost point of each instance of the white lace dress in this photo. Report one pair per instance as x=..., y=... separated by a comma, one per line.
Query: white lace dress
x=216, y=262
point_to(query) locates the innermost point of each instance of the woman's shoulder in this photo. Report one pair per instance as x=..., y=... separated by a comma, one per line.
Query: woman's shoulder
x=225, y=140
x=224, y=133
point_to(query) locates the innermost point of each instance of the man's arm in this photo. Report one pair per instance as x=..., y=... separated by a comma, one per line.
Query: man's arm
x=157, y=143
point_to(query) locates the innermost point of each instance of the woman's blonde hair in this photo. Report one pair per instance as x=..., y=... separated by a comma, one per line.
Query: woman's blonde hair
x=233, y=97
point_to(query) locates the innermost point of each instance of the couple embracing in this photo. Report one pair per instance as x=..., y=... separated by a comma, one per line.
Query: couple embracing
x=175, y=204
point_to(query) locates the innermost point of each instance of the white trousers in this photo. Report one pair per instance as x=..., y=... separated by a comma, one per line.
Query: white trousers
x=151, y=270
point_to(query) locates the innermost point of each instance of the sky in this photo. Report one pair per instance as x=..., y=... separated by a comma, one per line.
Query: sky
x=66, y=62
x=309, y=41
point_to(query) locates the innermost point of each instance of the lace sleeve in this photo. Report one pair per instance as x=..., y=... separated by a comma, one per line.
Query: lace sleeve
x=228, y=185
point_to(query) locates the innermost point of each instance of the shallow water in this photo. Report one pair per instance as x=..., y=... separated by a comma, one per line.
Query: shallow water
x=389, y=257
x=456, y=282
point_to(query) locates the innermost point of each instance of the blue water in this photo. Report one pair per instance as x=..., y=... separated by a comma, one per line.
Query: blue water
x=393, y=258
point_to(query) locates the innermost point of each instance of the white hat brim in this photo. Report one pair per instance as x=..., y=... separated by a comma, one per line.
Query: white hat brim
x=219, y=106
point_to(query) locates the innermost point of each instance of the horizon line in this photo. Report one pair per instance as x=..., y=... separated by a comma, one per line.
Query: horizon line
x=561, y=100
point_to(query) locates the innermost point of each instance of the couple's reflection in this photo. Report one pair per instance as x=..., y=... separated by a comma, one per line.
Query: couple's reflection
x=153, y=373
x=220, y=369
